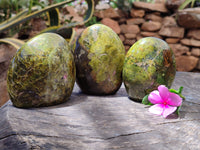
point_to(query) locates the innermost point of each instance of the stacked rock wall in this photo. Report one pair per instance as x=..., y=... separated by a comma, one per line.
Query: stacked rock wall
x=6, y=53
x=154, y=19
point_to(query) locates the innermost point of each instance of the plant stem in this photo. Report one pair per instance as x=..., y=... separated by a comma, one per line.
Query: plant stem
x=30, y=6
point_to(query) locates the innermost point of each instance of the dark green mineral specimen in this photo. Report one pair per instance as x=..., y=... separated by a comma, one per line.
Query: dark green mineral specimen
x=42, y=73
x=149, y=63
x=99, y=57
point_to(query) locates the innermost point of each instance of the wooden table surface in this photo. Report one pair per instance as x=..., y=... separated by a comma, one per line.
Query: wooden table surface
x=104, y=123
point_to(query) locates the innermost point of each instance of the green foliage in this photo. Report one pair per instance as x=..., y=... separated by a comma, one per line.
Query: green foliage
x=190, y=3
x=145, y=100
x=11, y=25
x=58, y=1
x=65, y=31
x=10, y=7
x=179, y=91
x=126, y=5
x=147, y=1
x=92, y=21
x=14, y=42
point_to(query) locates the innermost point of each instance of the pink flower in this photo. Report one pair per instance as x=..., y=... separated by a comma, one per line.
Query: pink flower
x=165, y=102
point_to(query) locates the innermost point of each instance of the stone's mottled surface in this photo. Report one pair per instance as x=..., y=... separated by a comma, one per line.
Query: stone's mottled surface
x=137, y=13
x=129, y=42
x=173, y=5
x=194, y=33
x=149, y=63
x=153, y=17
x=190, y=42
x=186, y=63
x=147, y=34
x=150, y=34
x=179, y=49
x=175, y=32
x=99, y=57
x=169, y=22
x=42, y=72
x=151, y=26
x=108, y=13
x=112, y=24
x=122, y=38
x=136, y=21
x=160, y=7
x=195, y=52
x=133, y=29
x=172, y=40
x=130, y=36
x=189, y=18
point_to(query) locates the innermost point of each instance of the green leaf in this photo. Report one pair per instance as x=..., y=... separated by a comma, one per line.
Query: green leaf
x=12, y=41
x=179, y=91
x=66, y=31
x=173, y=91
x=16, y=17
x=183, y=97
x=184, y=4
x=53, y=17
x=178, y=110
x=145, y=100
x=192, y=4
x=32, y=15
x=87, y=17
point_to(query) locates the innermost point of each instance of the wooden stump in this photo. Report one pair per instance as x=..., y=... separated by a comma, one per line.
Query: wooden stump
x=104, y=123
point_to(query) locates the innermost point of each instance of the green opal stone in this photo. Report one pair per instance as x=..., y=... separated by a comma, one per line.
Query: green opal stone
x=149, y=63
x=42, y=73
x=99, y=57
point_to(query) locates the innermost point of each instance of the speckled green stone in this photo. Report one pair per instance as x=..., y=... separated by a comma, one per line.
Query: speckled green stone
x=99, y=57
x=149, y=63
x=42, y=73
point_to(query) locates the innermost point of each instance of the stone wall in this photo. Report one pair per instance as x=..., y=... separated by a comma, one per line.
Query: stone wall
x=154, y=19
x=6, y=53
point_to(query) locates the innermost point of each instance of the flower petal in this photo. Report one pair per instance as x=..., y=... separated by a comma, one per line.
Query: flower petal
x=174, y=100
x=154, y=97
x=157, y=109
x=168, y=110
x=164, y=92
